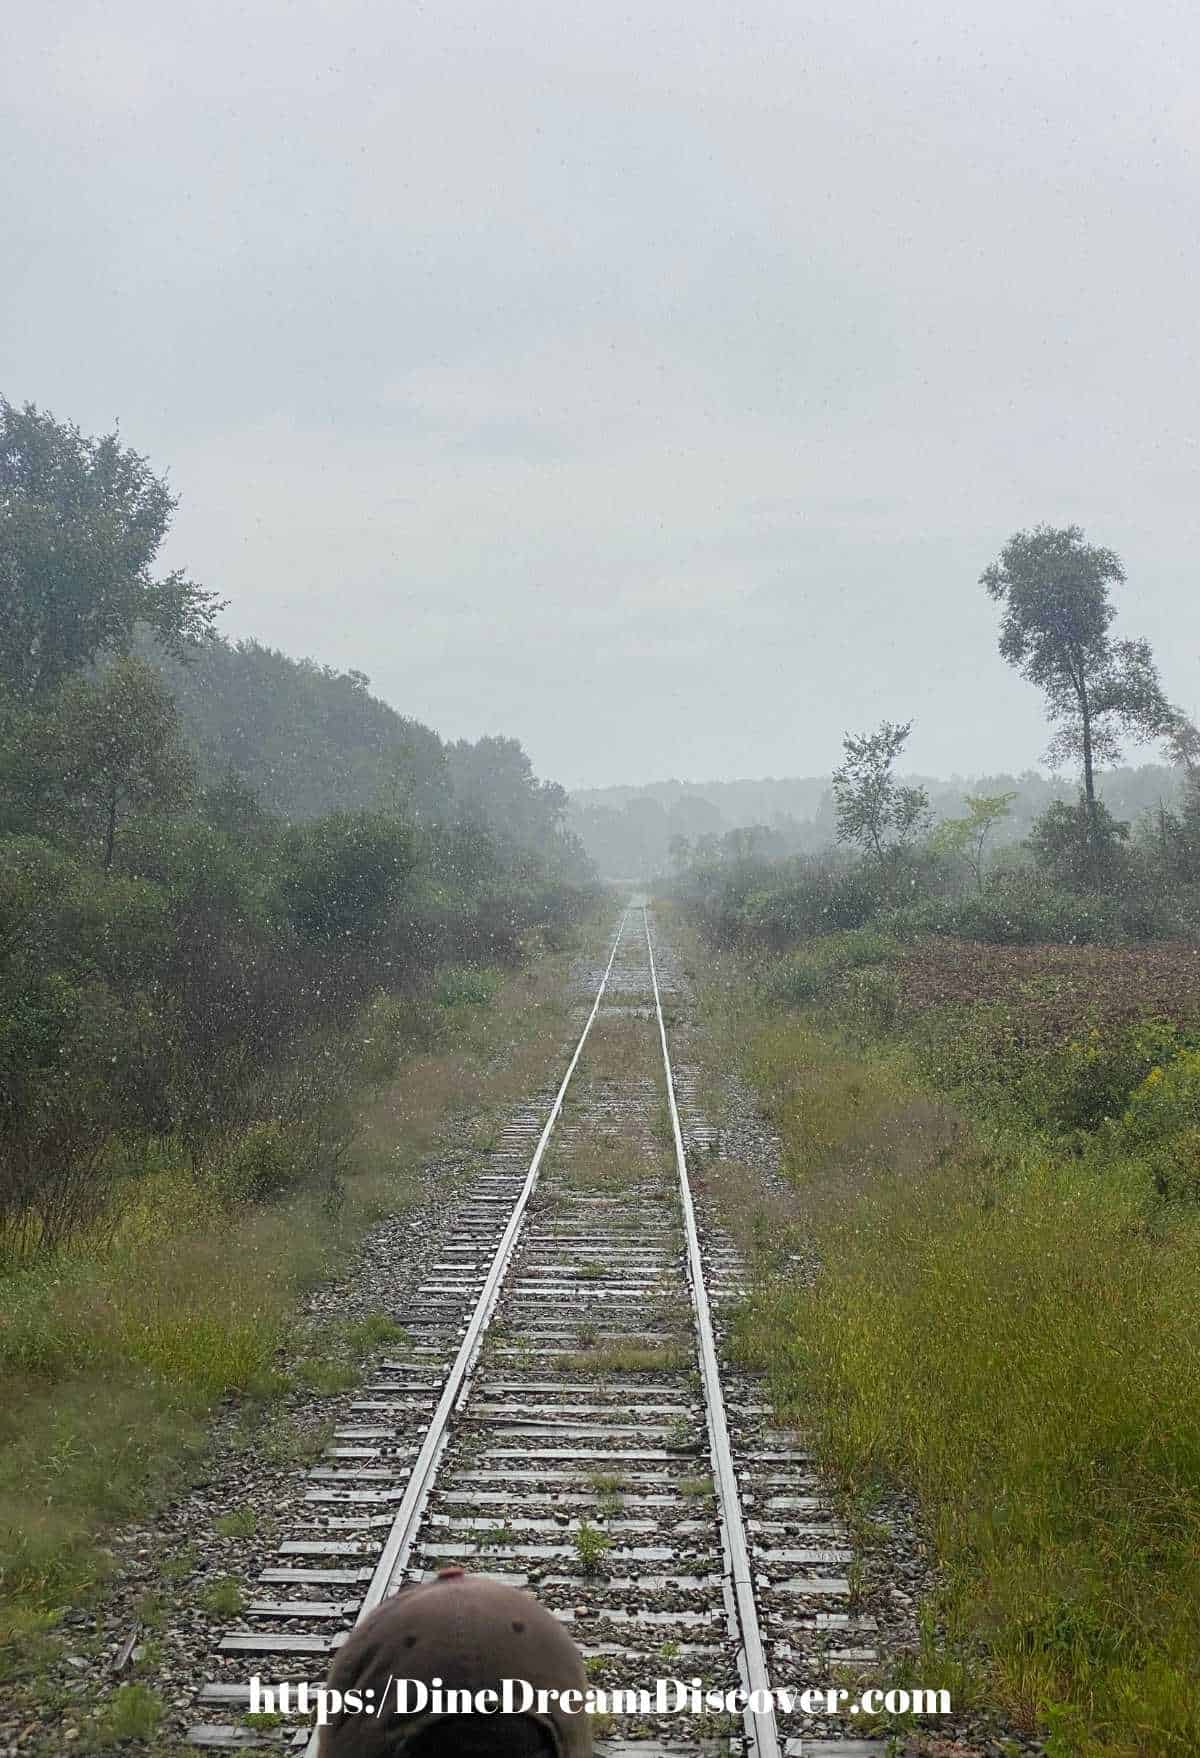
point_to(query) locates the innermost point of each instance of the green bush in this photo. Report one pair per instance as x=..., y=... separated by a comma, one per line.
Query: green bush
x=1167, y=1100
x=467, y=985
x=133, y=1713
x=817, y=970
x=394, y=1024
x=1087, y=1081
x=1021, y=909
x=798, y=978
x=797, y=898
x=1016, y=908
x=341, y=875
x=981, y=1053
x=1162, y=1126
x=267, y=1160
x=1173, y=1167
x=872, y=1001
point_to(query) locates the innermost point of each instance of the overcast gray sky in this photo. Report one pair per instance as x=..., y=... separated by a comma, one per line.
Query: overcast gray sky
x=650, y=383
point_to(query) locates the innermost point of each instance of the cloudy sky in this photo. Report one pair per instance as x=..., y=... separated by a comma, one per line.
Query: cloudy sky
x=651, y=383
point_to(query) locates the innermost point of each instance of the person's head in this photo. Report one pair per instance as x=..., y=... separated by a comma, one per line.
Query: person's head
x=472, y=1634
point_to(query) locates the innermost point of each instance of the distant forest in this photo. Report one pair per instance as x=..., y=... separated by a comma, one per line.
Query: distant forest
x=310, y=740
x=214, y=860
x=629, y=831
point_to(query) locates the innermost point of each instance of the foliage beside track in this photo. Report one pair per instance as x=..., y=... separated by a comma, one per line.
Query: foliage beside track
x=116, y=1347
x=1006, y=1215
x=186, y=927
x=237, y=894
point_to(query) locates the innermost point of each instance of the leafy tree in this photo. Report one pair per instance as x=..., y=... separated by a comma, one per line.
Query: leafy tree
x=117, y=745
x=1174, y=835
x=873, y=810
x=1177, y=838
x=968, y=836
x=79, y=955
x=30, y=786
x=1181, y=742
x=343, y=874
x=493, y=780
x=203, y=984
x=1057, y=617
x=231, y=805
x=1078, y=845
x=308, y=739
x=81, y=521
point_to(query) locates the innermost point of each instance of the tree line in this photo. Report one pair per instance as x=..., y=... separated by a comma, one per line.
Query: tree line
x=653, y=830
x=1054, y=590
x=211, y=857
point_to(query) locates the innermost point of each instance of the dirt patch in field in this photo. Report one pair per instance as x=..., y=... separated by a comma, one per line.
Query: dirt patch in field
x=1056, y=986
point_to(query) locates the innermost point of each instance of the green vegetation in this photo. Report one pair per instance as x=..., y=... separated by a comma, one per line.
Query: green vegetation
x=113, y=1349
x=628, y=1355
x=83, y=522
x=132, y=1713
x=986, y=1081
x=261, y=939
x=332, y=1355
x=223, y=1598
x=1055, y=628
x=681, y=1436
x=610, y=1489
x=967, y=838
x=695, y=1487
x=241, y=1523
x=1004, y=1204
x=182, y=965
x=591, y=1544
x=664, y=827
x=494, y=1535
x=606, y=1482
x=873, y=810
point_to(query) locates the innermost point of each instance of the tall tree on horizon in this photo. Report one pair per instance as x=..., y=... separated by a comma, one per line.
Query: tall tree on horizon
x=1055, y=590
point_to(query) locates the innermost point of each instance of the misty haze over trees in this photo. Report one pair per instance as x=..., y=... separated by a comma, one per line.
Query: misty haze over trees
x=634, y=831
x=212, y=856
x=1057, y=612
x=1005, y=859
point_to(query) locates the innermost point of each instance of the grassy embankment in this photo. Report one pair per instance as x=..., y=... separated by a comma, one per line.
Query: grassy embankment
x=1000, y=1179
x=114, y=1351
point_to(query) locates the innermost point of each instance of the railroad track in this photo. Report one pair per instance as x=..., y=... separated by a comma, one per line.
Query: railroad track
x=563, y=1419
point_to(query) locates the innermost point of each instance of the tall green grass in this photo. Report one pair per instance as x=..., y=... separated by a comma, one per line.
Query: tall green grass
x=114, y=1350
x=111, y=1353
x=1010, y=1331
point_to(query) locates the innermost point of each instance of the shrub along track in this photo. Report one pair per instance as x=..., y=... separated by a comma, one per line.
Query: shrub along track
x=562, y=1420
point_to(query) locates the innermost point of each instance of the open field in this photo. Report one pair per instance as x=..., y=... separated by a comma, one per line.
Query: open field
x=1054, y=987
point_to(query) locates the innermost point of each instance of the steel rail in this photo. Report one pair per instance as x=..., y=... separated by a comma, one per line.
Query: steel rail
x=759, y=1726
x=399, y=1541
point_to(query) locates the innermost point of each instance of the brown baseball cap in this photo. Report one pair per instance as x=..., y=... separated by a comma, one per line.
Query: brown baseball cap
x=471, y=1634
